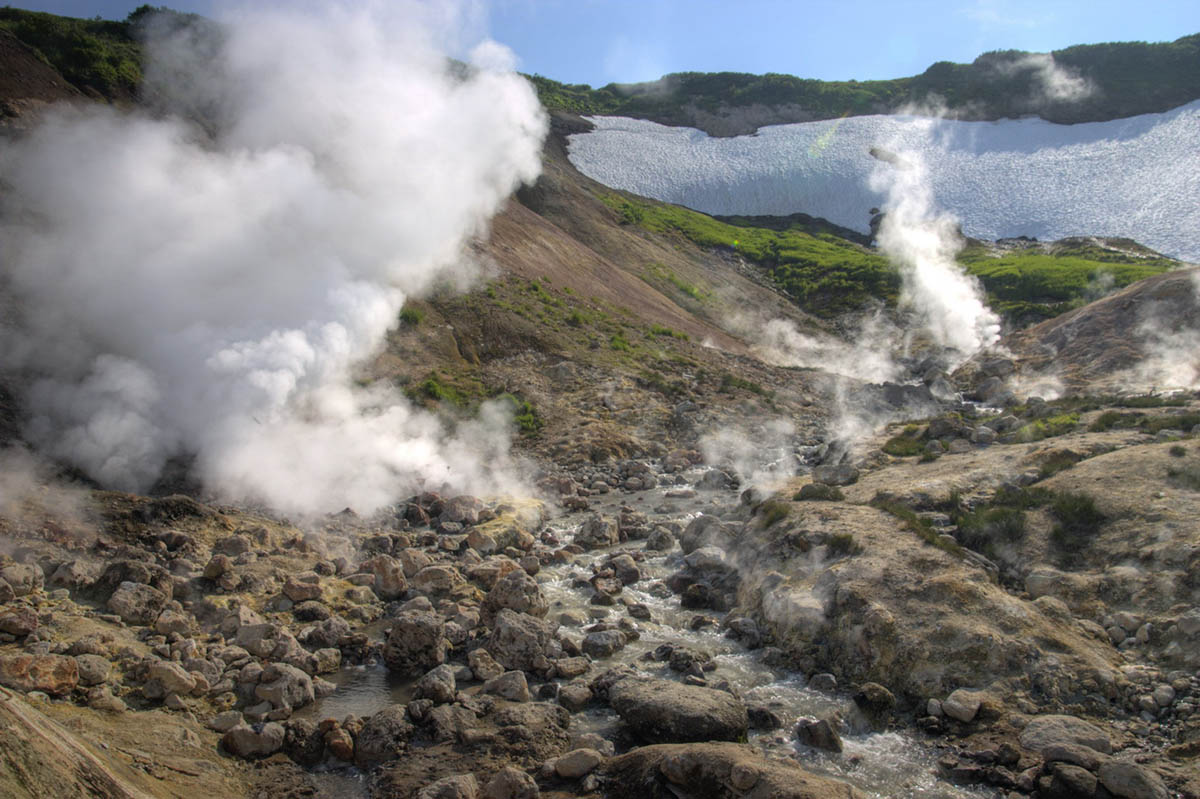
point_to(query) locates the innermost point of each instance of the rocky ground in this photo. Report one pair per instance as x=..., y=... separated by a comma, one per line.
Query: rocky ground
x=168, y=646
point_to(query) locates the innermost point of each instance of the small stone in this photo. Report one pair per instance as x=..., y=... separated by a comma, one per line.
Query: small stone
x=743, y=777
x=962, y=705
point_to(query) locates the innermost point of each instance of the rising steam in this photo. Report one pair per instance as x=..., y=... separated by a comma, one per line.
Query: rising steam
x=923, y=241
x=207, y=293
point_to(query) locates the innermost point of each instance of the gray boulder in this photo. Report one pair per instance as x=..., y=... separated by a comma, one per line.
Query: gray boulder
x=1128, y=780
x=416, y=643
x=251, y=742
x=519, y=641
x=660, y=711
x=137, y=603
x=1043, y=731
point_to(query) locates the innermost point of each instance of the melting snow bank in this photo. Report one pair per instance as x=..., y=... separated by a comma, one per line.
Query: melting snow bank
x=1137, y=177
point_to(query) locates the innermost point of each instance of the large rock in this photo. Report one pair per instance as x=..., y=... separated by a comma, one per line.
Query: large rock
x=137, y=603
x=437, y=685
x=517, y=591
x=24, y=578
x=597, y=532
x=819, y=734
x=19, y=621
x=459, y=786
x=51, y=674
x=1044, y=731
x=383, y=736
x=285, y=686
x=519, y=641
x=174, y=678
x=714, y=771
x=842, y=474
x=511, y=783
x=1128, y=780
x=261, y=740
x=660, y=711
x=416, y=643
x=390, y=581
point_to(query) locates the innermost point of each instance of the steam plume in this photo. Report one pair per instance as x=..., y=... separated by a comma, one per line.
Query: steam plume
x=207, y=294
x=922, y=242
x=1055, y=82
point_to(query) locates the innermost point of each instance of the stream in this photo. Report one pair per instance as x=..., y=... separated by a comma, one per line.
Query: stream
x=888, y=764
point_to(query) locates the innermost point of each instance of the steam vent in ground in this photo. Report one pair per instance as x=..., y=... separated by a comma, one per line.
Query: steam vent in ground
x=549, y=441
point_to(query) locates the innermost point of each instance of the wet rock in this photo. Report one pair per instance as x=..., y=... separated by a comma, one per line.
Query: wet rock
x=660, y=711
x=285, y=686
x=660, y=540
x=340, y=743
x=819, y=734
x=510, y=685
x=260, y=740
x=577, y=763
x=604, y=643
x=875, y=701
x=438, y=685
x=574, y=696
x=517, y=591
x=1071, y=781
x=1128, y=780
x=763, y=718
x=1044, y=731
x=459, y=786
x=24, y=579
x=19, y=621
x=415, y=644
x=51, y=674
x=519, y=641
x=597, y=532
x=703, y=770
x=303, y=742
x=704, y=530
x=511, y=783
x=137, y=603
x=383, y=736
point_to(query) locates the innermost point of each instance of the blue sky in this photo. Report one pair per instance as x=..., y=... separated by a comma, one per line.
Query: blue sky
x=600, y=41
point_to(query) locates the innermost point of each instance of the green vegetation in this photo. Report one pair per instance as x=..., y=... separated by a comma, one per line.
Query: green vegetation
x=1176, y=451
x=656, y=272
x=981, y=529
x=1130, y=78
x=1031, y=285
x=411, y=316
x=1048, y=427
x=1057, y=461
x=1148, y=423
x=819, y=492
x=618, y=342
x=95, y=54
x=773, y=511
x=829, y=274
x=730, y=382
x=659, y=330
x=915, y=523
x=433, y=388
x=524, y=414
x=908, y=444
x=823, y=273
x=1187, y=475
x=1078, y=521
x=843, y=545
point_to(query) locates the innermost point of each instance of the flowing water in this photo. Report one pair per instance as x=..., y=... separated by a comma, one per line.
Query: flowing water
x=889, y=764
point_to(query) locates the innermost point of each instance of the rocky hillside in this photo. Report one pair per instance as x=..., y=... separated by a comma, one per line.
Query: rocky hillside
x=737, y=579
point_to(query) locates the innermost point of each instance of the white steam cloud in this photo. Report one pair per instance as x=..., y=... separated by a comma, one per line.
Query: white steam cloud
x=208, y=294
x=868, y=357
x=1055, y=82
x=923, y=241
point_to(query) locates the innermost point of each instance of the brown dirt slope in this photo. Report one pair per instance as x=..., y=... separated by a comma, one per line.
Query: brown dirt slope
x=27, y=81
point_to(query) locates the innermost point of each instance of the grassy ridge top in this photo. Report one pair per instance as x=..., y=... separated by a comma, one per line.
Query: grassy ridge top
x=826, y=274
x=1128, y=78
x=92, y=54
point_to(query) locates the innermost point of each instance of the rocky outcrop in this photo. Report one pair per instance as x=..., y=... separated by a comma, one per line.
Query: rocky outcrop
x=714, y=771
x=661, y=711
